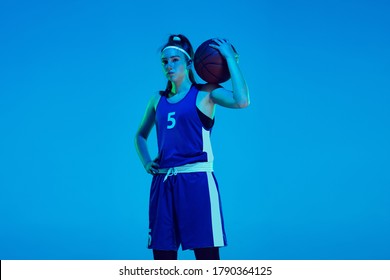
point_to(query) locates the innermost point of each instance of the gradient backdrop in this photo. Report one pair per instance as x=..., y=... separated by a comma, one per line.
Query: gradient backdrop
x=304, y=172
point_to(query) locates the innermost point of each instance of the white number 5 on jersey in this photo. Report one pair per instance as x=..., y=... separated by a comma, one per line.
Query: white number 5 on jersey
x=171, y=120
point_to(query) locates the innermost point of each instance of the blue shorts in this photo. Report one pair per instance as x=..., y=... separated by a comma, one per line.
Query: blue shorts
x=185, y=210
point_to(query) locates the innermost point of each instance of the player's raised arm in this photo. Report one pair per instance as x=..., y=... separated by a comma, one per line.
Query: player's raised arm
x=239, y=96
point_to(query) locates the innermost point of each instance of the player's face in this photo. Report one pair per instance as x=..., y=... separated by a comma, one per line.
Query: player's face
x=174, y=65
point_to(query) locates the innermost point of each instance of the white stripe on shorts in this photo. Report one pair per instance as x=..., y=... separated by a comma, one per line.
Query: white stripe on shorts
x=216, y=221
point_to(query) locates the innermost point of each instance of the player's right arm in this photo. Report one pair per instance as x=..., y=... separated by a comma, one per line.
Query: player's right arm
x=142, y=135
x=238, y=97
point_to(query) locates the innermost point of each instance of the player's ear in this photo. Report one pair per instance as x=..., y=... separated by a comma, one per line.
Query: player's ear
x=189, y=62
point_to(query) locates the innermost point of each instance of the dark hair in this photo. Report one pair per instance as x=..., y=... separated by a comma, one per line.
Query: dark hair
x=180, y=41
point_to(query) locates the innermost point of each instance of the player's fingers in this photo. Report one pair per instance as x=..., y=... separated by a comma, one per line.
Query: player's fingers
x=223, y=41
x=153, y=171
x=154, y=168
x=218, y=41
x=214, y=46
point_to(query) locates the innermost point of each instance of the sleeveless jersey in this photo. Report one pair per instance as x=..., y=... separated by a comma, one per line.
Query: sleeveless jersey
x=181, y=137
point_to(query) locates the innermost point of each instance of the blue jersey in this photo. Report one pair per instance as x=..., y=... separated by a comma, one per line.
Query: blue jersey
x=184, y=209
x=181, y=136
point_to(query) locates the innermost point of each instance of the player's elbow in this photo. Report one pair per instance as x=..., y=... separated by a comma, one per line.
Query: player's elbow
x=243, y=103
x=139, y=137
x=243, y=100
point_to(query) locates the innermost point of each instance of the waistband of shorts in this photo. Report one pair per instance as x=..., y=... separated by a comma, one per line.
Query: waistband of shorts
x=187, y=168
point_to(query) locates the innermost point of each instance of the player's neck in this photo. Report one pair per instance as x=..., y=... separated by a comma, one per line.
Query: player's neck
x=181, y=88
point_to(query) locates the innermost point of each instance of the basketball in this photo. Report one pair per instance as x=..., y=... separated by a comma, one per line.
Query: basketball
x=210, y=65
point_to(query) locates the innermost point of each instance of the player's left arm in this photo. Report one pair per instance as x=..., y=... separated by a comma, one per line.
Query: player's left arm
x=238, y=97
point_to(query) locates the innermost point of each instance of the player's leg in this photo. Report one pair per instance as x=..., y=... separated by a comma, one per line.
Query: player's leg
x=211, y=253
x=164, y=255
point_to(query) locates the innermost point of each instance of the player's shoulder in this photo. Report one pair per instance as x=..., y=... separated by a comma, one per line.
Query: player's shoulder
x=155, y=99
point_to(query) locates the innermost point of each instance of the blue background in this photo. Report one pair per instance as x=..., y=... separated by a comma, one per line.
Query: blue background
x=303, y=172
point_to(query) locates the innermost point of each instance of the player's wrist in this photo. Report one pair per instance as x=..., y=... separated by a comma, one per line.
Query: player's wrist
x=232, y=58
x=147, y=163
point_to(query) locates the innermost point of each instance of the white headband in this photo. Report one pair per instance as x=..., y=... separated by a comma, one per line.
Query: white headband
x=179, y=49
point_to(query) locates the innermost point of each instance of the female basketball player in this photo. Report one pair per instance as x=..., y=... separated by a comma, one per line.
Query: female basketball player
x=184, y=204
